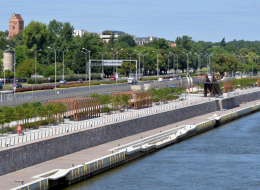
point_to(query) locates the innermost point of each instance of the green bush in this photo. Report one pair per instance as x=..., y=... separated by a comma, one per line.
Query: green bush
x=106, y=109
x=38, y=123
x=152, y=78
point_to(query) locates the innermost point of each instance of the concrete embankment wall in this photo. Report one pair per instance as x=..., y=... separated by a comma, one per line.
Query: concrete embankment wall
x=89, y=169
x=31, y=153
x=232, y=102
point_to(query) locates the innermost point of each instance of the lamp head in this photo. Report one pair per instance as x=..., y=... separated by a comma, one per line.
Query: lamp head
x=49, y=47
x=7, y=46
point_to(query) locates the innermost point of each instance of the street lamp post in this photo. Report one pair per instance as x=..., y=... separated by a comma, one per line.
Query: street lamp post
x=55, y=65
x=3, y=68
x=199, y=62
x=157, y=63
x=63, y=60
x=139, y=53
x=143, y=62
x=187, y=62
x=35, y=52
x=89, y=68
x=168, y=60
x=116, y=59
x=177, y=62
x=102, y=64
x=130, y=60
x=208, y=67
x=86, y=53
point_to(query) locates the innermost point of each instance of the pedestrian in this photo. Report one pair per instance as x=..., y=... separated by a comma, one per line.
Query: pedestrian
x=19, y=129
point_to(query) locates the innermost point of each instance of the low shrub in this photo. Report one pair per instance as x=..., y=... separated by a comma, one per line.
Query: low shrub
x=38, y=123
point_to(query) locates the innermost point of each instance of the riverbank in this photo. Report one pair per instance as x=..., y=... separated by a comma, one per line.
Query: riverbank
x=95, y=153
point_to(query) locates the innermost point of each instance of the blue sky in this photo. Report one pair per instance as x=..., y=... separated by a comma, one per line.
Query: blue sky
x=201, y=19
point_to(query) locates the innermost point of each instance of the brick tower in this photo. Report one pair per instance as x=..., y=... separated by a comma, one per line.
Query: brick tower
x=16, y=24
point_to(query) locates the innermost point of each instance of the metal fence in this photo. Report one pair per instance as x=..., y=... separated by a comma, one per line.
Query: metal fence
x=105, y=119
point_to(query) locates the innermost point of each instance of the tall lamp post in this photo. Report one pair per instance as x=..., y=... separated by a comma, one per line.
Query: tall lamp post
x=187, y=54
x=168, y=60
x=177, y=62
x=55, y=65
x=35, y=52
x=199, y=55
x=157, y=63
x=130, y=59
x=143, y=62
x=63, y=60
x=86, y=53
x=116, y=59
x=139, y=53
x=208, y=67
x=89, y=68
x=3, y=68
x=102, y=63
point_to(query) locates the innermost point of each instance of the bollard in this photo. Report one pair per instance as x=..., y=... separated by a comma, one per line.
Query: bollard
x=118, y=144
x=112, y=152
x=72, y=165
x=141, y=137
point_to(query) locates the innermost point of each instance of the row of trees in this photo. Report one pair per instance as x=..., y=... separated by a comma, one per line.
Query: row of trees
x=59, y=36
x=167, y=94
x=111, y=102
x=26, y=111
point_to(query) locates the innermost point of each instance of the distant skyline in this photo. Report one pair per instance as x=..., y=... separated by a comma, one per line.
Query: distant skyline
x=201, y=19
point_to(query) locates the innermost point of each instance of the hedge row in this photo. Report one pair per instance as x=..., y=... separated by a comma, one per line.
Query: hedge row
x=67, y=78
x=24, y=89
x=114, y=82
x=77, y=85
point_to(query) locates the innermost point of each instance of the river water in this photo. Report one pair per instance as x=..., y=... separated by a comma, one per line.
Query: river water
x=227, y=157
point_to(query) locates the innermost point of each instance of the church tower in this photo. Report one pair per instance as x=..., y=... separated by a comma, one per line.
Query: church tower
x=16, y=24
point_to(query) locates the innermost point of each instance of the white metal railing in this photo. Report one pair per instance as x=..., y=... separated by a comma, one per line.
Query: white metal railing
x=105, y=119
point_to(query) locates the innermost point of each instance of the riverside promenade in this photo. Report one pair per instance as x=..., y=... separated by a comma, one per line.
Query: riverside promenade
x=27, y=174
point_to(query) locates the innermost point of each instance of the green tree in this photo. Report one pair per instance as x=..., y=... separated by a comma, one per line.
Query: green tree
x=111, y=41
x=127, y=39
x=223, y=43
x=106, y=100
x=49, y=71
x=10, y=113
x=125, y=100
x=27, y=68
x=28, y=112
x=2, y=120
x=184, y=42
x=60, y=109
x=35, y=35
x=19, y=112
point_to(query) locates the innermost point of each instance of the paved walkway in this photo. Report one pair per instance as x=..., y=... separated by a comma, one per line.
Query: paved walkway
x=8, y=181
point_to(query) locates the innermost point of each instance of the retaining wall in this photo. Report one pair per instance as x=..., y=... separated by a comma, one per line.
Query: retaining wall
x=232, y=102
x=31, y=153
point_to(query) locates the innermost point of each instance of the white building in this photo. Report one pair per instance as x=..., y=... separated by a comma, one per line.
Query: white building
x=107, y=34
x=142, y=40
x=79, y=32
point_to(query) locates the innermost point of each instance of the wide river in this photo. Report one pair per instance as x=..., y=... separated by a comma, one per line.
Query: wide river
x=227, y=157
